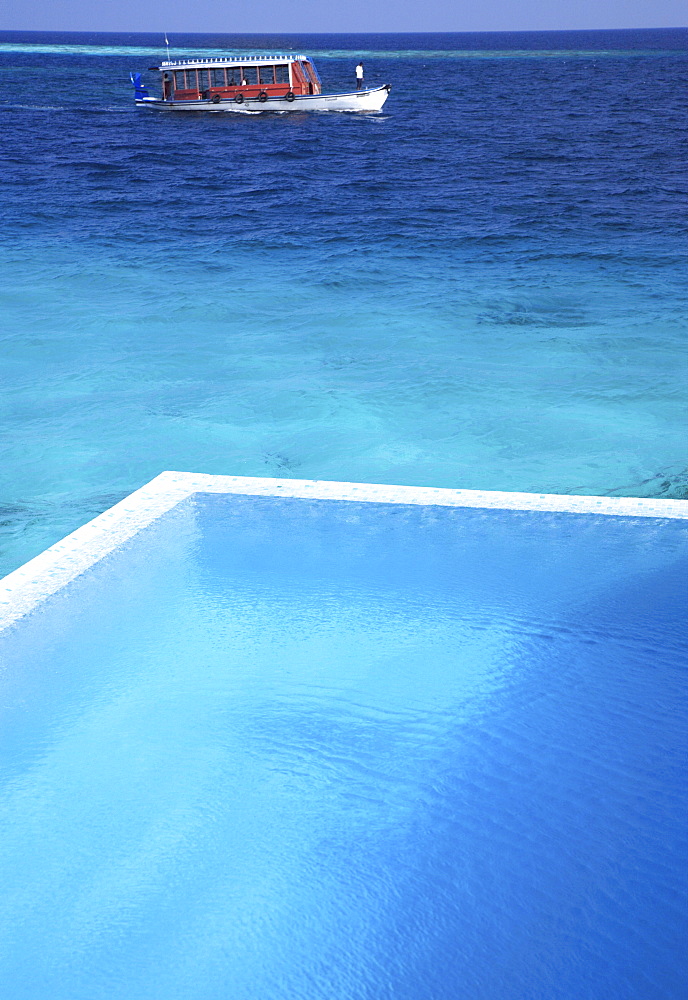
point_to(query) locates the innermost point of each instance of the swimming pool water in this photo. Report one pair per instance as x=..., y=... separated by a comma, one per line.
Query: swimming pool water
x=322, y=749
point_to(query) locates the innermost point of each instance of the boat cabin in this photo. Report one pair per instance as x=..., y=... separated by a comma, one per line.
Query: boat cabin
x=239, y=78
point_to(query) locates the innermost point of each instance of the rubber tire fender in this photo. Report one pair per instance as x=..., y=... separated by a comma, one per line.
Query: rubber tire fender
x=216, y=99
x=262, y=97
x=239, y=98
x=290, y=96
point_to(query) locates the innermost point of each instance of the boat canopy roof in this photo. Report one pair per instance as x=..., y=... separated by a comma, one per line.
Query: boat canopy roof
x=248, y=59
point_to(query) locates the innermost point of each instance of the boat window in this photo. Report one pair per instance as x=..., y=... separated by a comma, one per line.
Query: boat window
x=234, y=76
x=203, y=79
x=267, y=74
x=250, y=74
x=217, y=77
x=179, y=82
x=307, y=72
x=282, y=74
x=191, y=79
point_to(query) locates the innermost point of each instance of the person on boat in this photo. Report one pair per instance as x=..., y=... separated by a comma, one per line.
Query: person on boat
x=359, y=76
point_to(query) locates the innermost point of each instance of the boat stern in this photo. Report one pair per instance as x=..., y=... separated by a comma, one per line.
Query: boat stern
x=140, y=92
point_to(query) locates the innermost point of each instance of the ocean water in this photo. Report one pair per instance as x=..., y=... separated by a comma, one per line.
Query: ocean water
x=321, y=750
x=484, y=286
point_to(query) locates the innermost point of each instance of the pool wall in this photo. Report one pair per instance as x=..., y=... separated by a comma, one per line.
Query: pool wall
x=23, y=589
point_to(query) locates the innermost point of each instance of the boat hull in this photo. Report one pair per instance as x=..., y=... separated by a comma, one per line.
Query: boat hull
x=359, y=100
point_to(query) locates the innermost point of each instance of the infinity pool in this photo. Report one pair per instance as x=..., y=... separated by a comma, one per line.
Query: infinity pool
x=281, y=747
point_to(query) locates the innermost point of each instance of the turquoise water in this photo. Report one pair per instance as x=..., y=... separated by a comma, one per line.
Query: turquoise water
x=482, y=287
x=332, y=750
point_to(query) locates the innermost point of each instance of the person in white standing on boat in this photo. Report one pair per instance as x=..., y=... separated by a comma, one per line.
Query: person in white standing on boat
x=359, y=76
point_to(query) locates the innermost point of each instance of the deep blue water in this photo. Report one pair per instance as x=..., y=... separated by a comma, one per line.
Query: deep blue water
x=483, y=287
x=337, y=751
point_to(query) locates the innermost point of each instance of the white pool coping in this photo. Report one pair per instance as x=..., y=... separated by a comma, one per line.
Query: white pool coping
x=22, y=590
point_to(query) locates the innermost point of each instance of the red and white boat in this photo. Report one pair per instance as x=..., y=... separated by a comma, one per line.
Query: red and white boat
x=250, y=83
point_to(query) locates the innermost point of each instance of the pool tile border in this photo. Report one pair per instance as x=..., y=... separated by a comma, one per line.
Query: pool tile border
x=22, y=590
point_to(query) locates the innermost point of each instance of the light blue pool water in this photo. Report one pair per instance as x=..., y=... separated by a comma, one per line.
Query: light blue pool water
x=316, y=749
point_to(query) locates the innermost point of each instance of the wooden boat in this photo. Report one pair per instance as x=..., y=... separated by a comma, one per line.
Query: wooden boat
x=273, y=82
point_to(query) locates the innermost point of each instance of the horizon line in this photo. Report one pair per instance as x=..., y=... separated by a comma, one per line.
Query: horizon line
x=473, y=31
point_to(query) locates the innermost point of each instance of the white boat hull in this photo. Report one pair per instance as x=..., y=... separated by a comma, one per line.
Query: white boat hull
x=358, y=100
